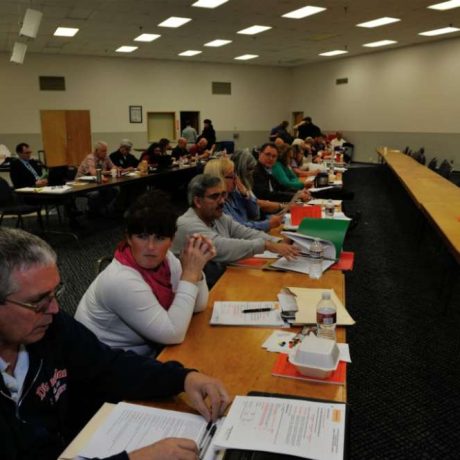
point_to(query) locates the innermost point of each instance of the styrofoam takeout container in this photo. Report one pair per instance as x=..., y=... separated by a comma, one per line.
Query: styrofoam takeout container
x=315, y=357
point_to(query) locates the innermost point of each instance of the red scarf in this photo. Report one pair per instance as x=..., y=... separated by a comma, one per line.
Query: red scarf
x=159, y=279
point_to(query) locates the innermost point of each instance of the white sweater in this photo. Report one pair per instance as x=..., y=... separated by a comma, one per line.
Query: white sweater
x=121, y=309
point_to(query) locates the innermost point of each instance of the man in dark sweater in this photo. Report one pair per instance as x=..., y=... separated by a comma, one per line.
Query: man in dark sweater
x=54, y=373
x=25, y=171
x=123, y=158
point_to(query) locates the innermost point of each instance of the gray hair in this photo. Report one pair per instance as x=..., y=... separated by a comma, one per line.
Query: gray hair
x=126, y=143
x=20, y=250
x=244, y=162
x=100, y=144
x=199, y=184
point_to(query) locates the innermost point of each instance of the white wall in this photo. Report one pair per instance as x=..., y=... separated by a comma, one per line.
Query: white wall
x=408, y=96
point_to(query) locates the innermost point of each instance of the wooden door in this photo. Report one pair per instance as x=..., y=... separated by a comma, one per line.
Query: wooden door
x=66, y=136
x=78, y=136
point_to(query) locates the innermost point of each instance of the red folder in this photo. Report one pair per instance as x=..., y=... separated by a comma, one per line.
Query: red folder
x=346, y=261
x=300, y=212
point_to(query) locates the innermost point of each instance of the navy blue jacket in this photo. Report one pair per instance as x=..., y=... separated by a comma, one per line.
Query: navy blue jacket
x=71, y=374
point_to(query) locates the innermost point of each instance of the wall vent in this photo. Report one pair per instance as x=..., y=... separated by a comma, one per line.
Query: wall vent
x=341, y=81
x=52, y=83
x=221, y=87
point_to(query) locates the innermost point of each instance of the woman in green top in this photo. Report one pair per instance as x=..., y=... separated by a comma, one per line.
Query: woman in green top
x=283, y=172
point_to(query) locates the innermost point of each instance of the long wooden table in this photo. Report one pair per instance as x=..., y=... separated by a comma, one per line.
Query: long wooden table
x=435, y=196
x=234, y=354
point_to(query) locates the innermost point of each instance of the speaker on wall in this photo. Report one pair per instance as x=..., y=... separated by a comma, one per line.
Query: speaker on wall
x=19, y=51
x=31, y=23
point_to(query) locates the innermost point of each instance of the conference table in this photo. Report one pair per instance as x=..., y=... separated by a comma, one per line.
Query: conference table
x=234, y=354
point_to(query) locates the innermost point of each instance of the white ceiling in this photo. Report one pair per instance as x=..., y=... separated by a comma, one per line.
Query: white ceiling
x=107, y=24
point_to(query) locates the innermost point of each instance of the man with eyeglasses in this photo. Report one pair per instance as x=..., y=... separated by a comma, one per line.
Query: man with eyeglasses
x=54, y=373
x=233, y=241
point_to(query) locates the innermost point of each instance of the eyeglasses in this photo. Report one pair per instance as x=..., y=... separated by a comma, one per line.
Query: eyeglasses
x=217, y=196
x=42, y=305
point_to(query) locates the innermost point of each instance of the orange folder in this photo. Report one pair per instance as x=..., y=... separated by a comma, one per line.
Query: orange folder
x=300, y=212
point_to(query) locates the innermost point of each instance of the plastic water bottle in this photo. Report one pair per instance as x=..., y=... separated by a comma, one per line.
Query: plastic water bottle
x=329, y=209
x=316, y=260
x=326, y=317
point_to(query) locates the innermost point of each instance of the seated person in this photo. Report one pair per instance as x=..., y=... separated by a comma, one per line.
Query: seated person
x=338, y=142
x=200, y=150
x=103, y=199
x=266, y=186
x=233, y=241
x=283, y=173
x=239, y=204
x=55, y=374
x=299, y=164
x=147, y=296
x=151, y=154
x=123, y=158
x=280, y=131
x=25, y=171
x=180, y=150
x=165, y=145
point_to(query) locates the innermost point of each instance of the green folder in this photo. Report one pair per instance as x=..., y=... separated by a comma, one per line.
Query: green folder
x=332, y=230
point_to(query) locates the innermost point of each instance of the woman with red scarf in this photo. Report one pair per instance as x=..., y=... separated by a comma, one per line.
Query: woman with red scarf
x=146, y=297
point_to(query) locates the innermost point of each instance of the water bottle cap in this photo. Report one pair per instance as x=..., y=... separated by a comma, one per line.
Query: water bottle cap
x=326, y=295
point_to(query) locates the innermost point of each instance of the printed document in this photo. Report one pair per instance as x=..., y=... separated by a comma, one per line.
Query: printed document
x=307, y=429
x=231, y=314
x=131, y=426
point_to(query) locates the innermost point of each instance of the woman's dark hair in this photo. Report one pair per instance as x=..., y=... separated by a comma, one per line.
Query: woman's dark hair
x=152, y=213
x=151, y=148
x=283, y=156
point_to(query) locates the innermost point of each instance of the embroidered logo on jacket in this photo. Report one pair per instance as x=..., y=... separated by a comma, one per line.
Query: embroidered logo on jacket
x=55, y=384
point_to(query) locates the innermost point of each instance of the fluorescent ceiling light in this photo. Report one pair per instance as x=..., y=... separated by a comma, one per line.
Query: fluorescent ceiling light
x=445, y=5
x=126, y=49
x=218, y=42
x=303, y=12
x=174, y=21
x=146, y=37
x=378, y=22
x=209, y=3
x=246, y=57
x=190, y=53
x=65, y=32
x=445, y=30
x=380, y=43
x=333, y=53
x=254, y=30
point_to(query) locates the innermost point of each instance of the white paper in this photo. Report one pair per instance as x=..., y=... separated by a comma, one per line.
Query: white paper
x=231, y=314
x=87, y=178
x=300, y=264
x=47, y=189
x=267, y=255
x=344, y=352
x=131, y=427
x=317, y=189
x=278, y=342
x=308, y=429
x=323, y=202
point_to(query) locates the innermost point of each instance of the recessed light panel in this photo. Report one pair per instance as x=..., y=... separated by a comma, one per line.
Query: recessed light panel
x=378, y=22
x=445, y=30
x=218, y=42
x=147, y=37
x=174, y=21
x=190, y=53
x=126, y=49
x=333, y=53
x=303, y=12
x=65, y=32
x=380, y=43
x=254, y=30
x=209, y=3
x=246, y=57
x=445, y=5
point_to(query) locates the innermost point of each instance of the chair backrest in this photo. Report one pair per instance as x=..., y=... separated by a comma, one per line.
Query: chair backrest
x=433, y=163
x=6, y=193
x=445, y=169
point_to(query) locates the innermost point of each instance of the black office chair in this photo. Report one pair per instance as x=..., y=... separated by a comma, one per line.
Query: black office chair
x=445, y=169
x=11, y=206
x=433, y=164
x=102, y=263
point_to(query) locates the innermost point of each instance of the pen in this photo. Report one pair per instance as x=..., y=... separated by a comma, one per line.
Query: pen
x=256, y=310
x=206, y=444
x=205, y=432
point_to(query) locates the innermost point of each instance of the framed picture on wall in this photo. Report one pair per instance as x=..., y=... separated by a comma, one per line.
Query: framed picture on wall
x=135, y=113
